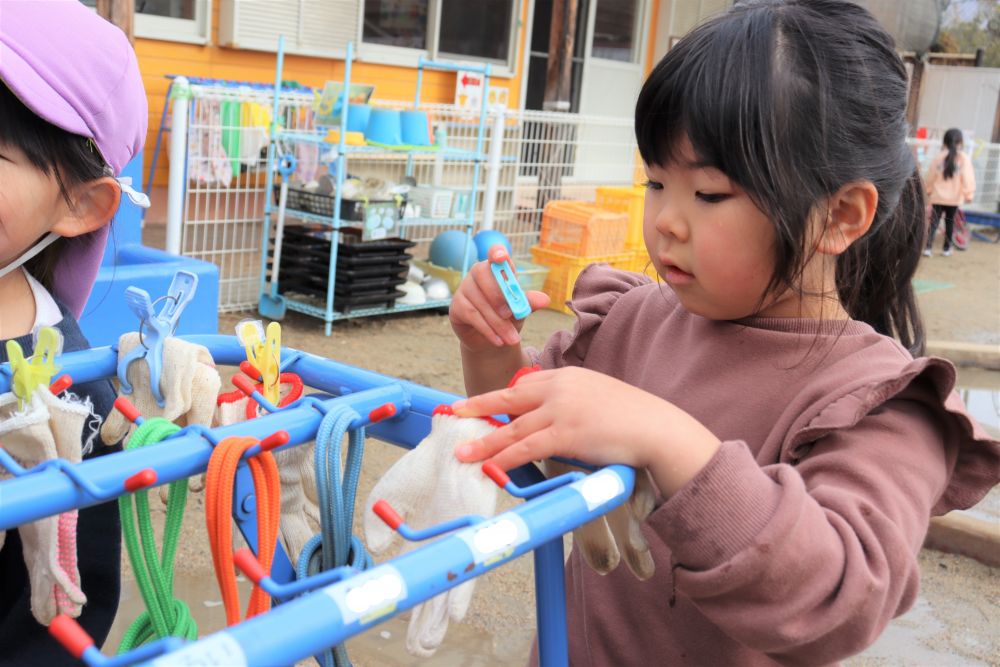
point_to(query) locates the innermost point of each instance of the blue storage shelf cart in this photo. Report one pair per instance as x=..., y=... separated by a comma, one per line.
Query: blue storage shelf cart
x=282, y=144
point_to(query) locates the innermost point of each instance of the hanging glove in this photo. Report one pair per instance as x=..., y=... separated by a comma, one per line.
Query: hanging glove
x=300, y=518
x=44, y=430
x=189, y=382
x=428, y=486
x=603, y=541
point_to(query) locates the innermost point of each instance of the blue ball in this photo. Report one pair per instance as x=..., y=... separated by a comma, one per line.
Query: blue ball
x=486, y=239
x=448, y=249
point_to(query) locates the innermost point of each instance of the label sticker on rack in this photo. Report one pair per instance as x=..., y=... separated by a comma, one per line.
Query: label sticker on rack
x=496, y=538
x=599, y=487
x=217, y=649
x=368, y=596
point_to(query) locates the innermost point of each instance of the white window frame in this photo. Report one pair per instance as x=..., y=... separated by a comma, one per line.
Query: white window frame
x=188, y=31
x=638, y=36
x=382, y=54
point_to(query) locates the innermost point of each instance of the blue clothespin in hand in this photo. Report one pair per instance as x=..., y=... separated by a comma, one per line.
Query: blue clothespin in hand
x=155, y=329
x=503, y=272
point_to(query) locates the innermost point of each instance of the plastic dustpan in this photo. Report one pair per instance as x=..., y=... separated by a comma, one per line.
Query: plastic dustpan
x=272, y=305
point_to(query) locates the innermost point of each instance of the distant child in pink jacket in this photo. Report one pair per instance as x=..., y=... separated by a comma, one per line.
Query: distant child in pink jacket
x=769, y=383
x=949, y=183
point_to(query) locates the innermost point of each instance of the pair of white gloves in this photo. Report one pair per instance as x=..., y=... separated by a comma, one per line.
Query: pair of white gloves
x=47, y=428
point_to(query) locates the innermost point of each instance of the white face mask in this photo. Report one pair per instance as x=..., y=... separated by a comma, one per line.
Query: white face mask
x=48, y=240
x=136, y=197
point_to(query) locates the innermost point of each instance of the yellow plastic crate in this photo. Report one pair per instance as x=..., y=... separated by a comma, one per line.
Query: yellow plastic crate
x=640, y=263
x=582, y=229
x=565, y=269
x=628, y=200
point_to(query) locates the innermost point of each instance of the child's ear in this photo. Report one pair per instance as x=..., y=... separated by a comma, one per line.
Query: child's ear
x=850, y=212
x=94, y=204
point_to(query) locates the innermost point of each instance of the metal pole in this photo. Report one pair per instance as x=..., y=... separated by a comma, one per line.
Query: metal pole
x=181, y=91
x=550, y=604
x=493, y=168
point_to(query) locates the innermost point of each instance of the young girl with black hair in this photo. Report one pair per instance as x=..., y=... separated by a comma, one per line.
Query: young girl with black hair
x=950, y=182
x=798, y=450
x=73, y=113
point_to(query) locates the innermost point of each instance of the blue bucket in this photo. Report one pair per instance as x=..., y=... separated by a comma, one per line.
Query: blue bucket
x=384, y=127
x=357, y=117
x=415, y=132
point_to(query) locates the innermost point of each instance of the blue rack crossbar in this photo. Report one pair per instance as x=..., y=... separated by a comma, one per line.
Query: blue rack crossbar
x=332, y=614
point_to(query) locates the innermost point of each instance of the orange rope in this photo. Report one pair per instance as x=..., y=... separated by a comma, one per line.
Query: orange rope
x=219, y=482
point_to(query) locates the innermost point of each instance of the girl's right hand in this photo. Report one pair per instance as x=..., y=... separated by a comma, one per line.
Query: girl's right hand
x=479, y=313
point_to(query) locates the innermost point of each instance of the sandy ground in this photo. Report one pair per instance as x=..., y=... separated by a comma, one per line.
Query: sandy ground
x=955, y=622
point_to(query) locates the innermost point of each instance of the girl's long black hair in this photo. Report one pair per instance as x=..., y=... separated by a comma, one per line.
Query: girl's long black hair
x=793, y=99
x=69, y=158
x=952, y=140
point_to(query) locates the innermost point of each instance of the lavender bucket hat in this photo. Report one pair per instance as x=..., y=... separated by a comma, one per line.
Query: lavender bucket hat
x=79, y=72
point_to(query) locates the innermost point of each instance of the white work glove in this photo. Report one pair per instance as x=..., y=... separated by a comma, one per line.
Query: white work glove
x=428, y=486
x=189, y=381
x=603, y=541
x=300, y=518
x=46, y=429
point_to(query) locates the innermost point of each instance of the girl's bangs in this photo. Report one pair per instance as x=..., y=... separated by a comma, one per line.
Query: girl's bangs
x=710, y=89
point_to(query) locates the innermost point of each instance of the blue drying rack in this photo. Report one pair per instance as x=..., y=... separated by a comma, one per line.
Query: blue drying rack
x=326, y=609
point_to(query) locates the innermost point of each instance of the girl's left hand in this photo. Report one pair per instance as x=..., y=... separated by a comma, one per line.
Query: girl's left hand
x=586, y=415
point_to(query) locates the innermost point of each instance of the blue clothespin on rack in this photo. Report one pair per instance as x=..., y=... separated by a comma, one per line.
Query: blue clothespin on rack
x=512, y=292
x=157, y=328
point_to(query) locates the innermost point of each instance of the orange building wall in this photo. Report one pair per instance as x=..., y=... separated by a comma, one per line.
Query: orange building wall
x=160, y=58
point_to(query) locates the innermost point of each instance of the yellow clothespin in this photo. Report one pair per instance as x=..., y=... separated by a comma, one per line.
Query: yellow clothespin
x=264, y=355
x=39, y=368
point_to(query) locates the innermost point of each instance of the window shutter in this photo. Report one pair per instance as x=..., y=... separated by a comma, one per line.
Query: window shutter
x=311, y=27
x=330, y=24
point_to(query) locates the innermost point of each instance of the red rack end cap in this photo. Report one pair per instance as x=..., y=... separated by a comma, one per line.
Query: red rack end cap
x=276, y=439
x=62, y=383
x=496, y=473
x=390, y=516
x=251, y=370
x=443, y=409
x=142, y=479
x=129, y=411
x=244, y=384
x=382, y=412
x=69, y=633
x=249, y=565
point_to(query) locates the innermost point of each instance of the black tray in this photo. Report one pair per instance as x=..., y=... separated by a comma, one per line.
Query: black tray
x=373, y=271
x=369, y=286
x=345, y=302
x=363, y=286
x=318, y=256
x=350, y=209
x=349, y=242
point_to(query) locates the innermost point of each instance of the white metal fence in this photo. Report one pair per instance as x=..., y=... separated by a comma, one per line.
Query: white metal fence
x=535, y=157
x=540, y=156
x=223, y=202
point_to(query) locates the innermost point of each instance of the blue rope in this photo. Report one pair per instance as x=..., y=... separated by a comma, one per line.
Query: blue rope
x=336, y=545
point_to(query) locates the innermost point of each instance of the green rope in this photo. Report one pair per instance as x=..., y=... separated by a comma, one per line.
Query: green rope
x=165, y=616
